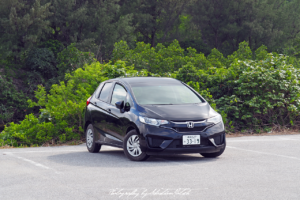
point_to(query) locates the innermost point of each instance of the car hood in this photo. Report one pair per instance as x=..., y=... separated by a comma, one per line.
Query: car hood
x=184, y=112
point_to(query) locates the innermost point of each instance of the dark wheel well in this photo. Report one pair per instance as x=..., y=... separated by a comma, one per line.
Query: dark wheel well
x=87, y=123
x=130, y=128
x=133, y=128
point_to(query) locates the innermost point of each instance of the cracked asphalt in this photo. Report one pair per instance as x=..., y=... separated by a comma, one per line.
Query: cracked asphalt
x=256, y=167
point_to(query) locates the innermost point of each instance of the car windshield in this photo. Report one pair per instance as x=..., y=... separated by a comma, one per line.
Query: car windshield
x=164, y=94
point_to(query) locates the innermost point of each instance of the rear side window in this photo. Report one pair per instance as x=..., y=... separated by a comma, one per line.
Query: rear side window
x=97, y=92
x=119, y=94
x=105, y=92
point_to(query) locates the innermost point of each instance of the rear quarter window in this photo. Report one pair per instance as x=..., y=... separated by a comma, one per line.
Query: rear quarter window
x=97, y=91
x=105, y=92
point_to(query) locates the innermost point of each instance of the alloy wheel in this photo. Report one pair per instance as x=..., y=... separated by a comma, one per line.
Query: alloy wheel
x=133, y=146
x=89, y=138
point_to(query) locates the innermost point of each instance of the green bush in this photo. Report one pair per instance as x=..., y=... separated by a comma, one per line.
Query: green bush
x=71, y=59
x=266, y=92
x=12, y=102
x=60, y=118
x=42, y=60
x=250, y=90
x=160, y=59
x=32, y=131
x=54, y=45
x=232, y=84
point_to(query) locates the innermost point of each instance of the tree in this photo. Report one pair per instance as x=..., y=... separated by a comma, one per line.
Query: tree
x=23, y=24
x=96, y=25
x=226, y=23
x=156, y=20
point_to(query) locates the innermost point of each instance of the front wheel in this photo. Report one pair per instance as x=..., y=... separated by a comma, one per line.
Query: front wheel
x=91, y=144
x=132, y=149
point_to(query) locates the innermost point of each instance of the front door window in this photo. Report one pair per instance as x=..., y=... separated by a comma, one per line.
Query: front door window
x=119, y=94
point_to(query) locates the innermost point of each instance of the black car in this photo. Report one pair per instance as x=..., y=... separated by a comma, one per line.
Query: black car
x=152, y=116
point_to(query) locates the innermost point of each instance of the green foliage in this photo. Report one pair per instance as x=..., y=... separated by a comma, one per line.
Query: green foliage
x=71, y=59
x=225, y=24
x=204, y=93
x=159, y=21
x=61, y=110
x=12, y=102
x=42, y=40
x=32, y=131
x=160, y=59
x=42, y=60
x=23, y=24
x=266, y=92
x=90, y=23
x=243, y=53
x=247, y=89
x=54, y=45
x=250, y=90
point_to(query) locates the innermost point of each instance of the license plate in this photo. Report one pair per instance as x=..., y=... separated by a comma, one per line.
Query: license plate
x=190, y=139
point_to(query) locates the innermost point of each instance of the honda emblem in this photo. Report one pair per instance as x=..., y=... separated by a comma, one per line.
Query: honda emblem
x=190, y=124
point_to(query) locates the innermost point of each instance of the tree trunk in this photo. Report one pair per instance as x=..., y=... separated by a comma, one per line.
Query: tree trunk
x=153, y=39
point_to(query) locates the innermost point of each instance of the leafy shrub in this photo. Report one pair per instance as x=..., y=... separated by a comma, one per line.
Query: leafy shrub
x=54, y=45
x=199, y=45
x=160, y=59
x=250, y=90
x=12, y=102
x=266, y=92
x=71, y=59
x=32, y=131
x=42, y=60
x=61, y=113
x=252, y=93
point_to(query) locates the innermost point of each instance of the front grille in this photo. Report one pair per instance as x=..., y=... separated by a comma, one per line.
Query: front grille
x=201, y=128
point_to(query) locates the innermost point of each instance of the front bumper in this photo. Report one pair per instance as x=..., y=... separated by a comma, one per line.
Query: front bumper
x=159, y=141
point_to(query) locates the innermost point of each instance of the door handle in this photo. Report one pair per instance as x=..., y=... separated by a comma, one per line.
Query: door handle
x=108, y=109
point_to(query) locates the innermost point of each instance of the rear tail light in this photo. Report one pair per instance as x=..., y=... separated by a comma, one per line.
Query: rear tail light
x=88, y=101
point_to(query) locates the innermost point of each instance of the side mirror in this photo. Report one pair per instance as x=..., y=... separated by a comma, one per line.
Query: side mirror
x=127, y=106
x=120, y=104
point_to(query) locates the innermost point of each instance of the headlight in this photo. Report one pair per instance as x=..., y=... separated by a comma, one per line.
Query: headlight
x=215, y=119
x=154, y=122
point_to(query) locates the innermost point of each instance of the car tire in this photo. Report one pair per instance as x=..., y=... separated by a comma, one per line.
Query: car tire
x=91, y=145
x=214, y=155
x=132, y=148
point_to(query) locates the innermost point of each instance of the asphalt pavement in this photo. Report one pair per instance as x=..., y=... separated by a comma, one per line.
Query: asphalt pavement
x=256, y=167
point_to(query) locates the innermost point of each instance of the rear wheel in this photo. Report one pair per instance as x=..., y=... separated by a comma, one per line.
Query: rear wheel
x=132, y=149
x=90, y=140
x=214, y=155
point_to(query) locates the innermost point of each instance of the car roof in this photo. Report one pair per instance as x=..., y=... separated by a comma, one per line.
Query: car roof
x=148, y=80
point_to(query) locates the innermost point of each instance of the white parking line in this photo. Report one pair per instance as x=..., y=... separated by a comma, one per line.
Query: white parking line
x=254, y=140
x=40, y=151
x=272, y=154
x=32, y=162
x=264, y=140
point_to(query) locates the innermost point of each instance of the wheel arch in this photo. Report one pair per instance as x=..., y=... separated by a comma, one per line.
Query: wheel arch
x=132, y=127
x=87, y=123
